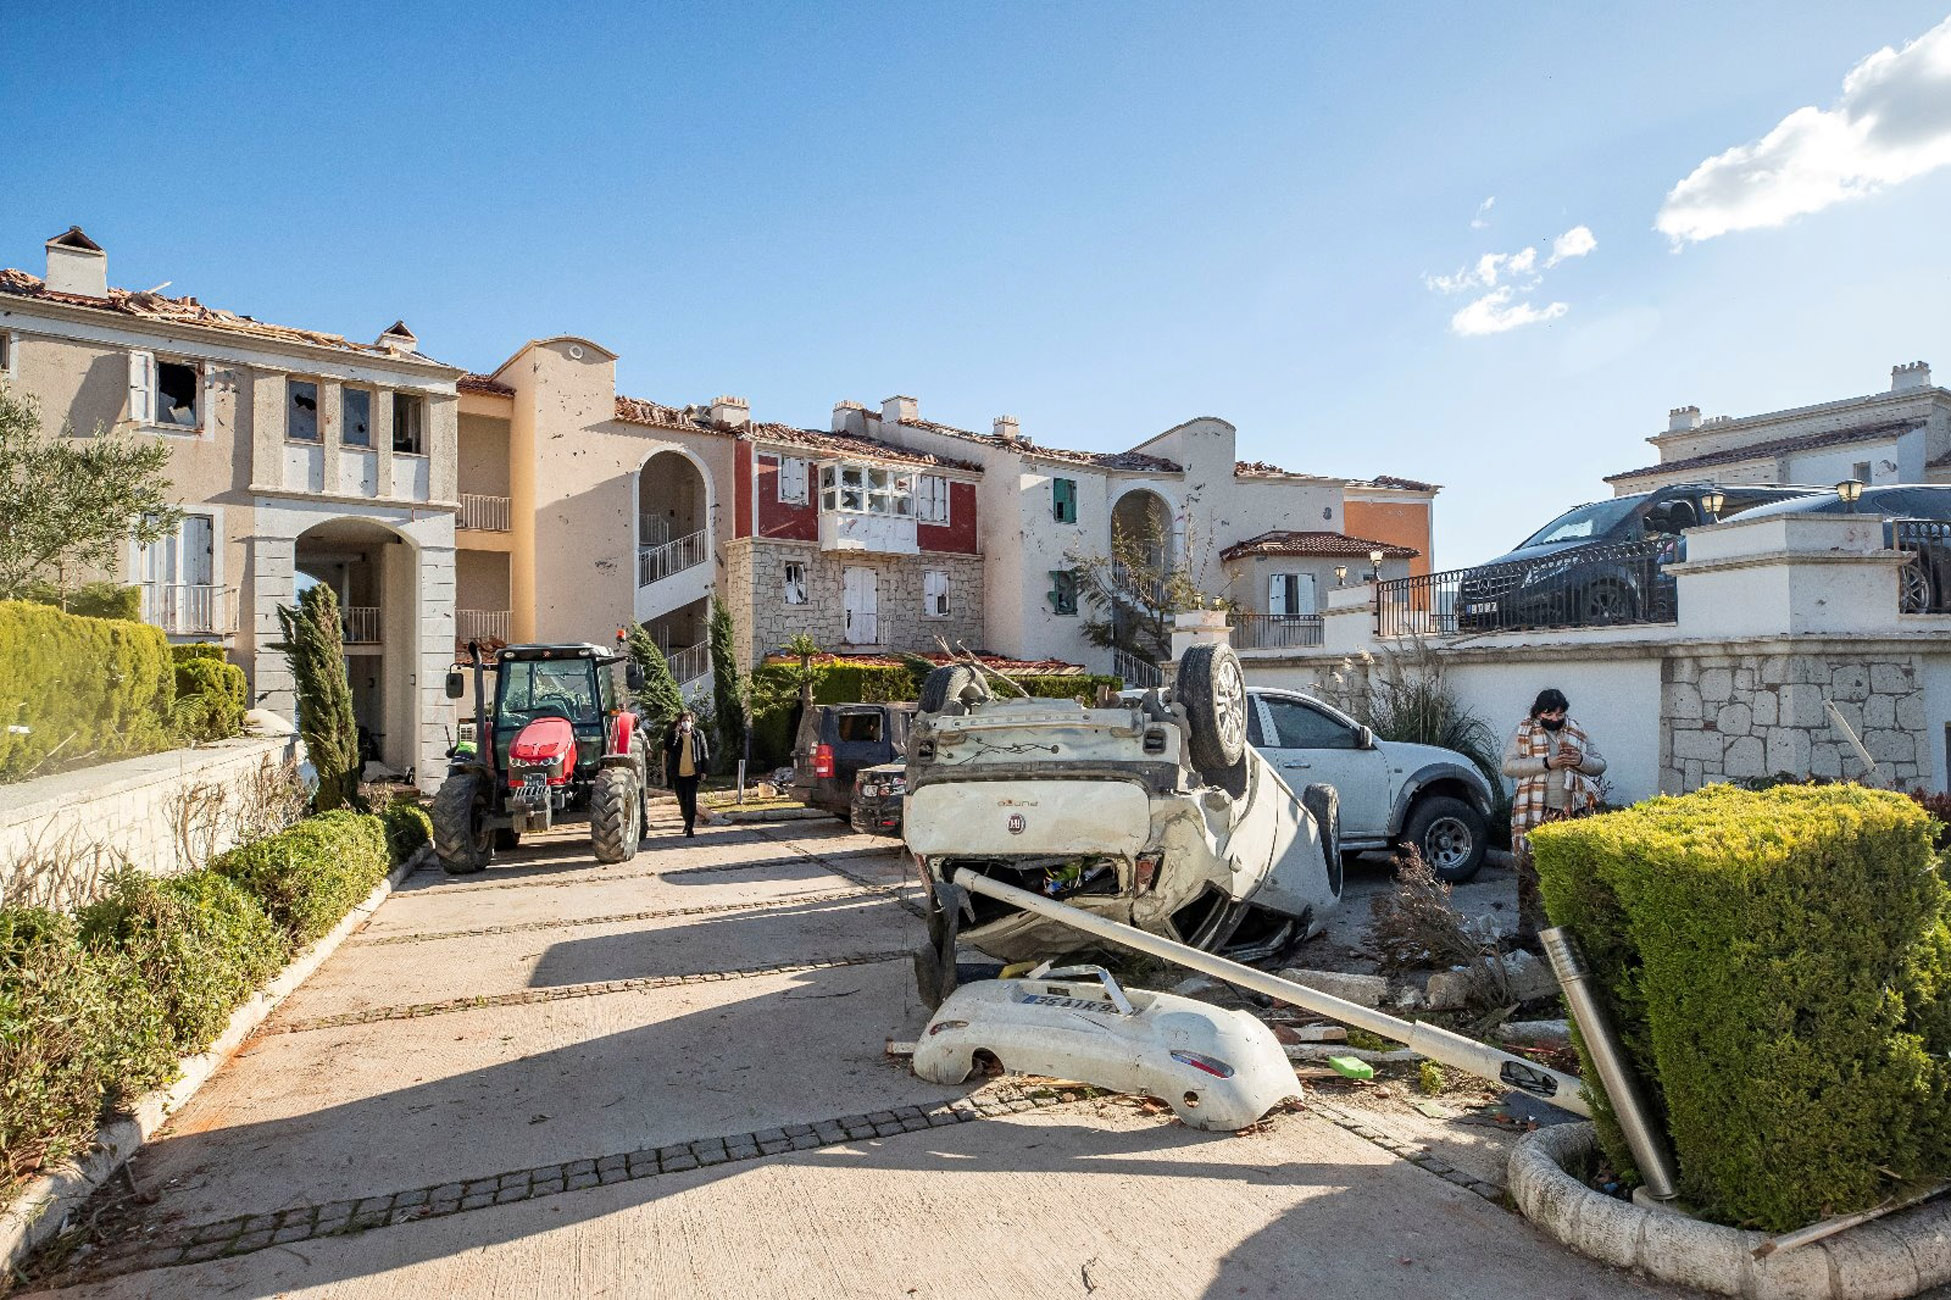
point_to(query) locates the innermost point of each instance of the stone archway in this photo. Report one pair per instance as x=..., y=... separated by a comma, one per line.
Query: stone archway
x=375, y=572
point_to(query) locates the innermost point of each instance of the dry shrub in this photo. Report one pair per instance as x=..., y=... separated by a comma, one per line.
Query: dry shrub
x=1416, y=927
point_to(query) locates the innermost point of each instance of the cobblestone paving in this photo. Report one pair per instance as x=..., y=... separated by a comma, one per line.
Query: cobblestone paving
x=1363, y=1126
x=619, y=918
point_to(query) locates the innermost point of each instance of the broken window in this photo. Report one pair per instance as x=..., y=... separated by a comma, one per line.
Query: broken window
x=301, y=411
x=178, y=386
x=795, y=584
x=934, y=593
x=1063, y=591
x=863, y=489
x=356, y=405
x=409, y=414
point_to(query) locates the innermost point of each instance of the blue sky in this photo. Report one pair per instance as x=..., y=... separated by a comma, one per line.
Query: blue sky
x=1101, y=219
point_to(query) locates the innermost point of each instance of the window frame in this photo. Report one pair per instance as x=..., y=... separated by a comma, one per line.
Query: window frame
x=145, y=399
x=780, y=477
x=291, y=401
x=1063, y=602
x=345, y=419
x=930, y=600
x=1063, y=493
x=864, y=482
x=787, y=584
x=939, y=512
x=416, y=402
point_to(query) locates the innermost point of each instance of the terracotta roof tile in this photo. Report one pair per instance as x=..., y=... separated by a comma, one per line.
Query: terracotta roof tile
x=1281, y=542
x=484, y=384
x=1777, y=447
x=1400, y=484
x=692, y=419
x=147, y=305
x=1111, y=460
x=1256, y=468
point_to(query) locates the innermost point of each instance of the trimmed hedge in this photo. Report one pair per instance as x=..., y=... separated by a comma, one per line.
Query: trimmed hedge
x=211, y=694
x=1779, y=968
x=84, y=689
x=95, y=1009
x=408, y=827
x=91, y=599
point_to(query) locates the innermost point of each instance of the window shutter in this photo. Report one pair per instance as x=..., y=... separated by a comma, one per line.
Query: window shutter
x=1277, y=594
x=142, y=387
x=1063, y=500
x=206, y=411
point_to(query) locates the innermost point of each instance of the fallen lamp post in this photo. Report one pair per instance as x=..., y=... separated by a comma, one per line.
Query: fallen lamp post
x=1432, y=1041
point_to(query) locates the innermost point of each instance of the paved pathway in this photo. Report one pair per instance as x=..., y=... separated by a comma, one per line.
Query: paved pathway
x=667, y=1077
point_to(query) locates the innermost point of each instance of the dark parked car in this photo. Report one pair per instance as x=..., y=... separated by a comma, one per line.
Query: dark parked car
x=1916, y=518
x=847, y=738
x=1600, y=563
x=878, y=792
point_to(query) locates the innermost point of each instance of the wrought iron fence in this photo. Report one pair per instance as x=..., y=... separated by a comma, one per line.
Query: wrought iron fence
x=1274, y=631
x=1140, y=674
x=190, y=608
x=484, y=514
x=1596, y=586
x=1924, y=583
x=655, y=563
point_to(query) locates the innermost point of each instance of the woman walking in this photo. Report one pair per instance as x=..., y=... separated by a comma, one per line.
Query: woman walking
x=686, y=756
x=1554, y=764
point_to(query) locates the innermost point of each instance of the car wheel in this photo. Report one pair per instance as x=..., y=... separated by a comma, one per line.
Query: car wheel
x=942, y=689
x=1323, y=803
x=1914, y=590
x=1213, y=689
x=1451, y=836
x=1606, y=602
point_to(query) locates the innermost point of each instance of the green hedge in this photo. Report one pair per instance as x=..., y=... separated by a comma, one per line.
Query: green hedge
x=1779, y=966
x=211, y=694
x=91, y=599
x=96, y=1008
x=84, y=689
x=407, y=827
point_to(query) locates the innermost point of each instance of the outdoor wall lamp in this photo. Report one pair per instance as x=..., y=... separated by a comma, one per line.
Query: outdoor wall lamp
x=1341, y=574
x=1711, y=502
x=1375, y=565
x=1851, y=491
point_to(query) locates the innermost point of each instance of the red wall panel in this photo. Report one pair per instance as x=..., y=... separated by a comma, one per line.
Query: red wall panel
x=960, y=533
x=779, y=519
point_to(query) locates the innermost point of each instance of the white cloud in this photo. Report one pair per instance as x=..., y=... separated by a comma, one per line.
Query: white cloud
x=1485, y=274
x=1892, y=123
x=1576, y=242
x=1482, y=218
x=1494, y=313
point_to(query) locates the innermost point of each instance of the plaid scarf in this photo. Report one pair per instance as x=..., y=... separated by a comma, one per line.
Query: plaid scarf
x=1528, y=804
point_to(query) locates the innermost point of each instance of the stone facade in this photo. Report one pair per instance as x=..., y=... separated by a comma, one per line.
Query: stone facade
x=1728, y=717
x=756, y=581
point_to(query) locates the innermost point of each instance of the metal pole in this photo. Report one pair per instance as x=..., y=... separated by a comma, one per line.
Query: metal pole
x=1649, y=1150
x=1433, y=1041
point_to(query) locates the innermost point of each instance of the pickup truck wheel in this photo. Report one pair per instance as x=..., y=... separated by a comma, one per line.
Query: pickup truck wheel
x=1450, y=834
x=463, y=840
x=1213, y=690
x=941, y=690
x=615, y=814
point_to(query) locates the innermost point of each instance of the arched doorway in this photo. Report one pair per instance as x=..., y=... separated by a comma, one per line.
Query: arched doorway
x=375, y=572
x=673, y=516
x=1141, y=524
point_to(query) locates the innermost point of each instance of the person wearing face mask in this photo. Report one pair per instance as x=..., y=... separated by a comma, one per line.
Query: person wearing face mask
x=1555, y=765
x=686, y=755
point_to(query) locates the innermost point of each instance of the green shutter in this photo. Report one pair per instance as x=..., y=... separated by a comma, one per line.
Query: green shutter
x=1063, y=500
x=1063, y=591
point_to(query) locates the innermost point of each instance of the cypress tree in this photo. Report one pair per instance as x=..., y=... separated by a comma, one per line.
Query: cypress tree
x=314, y=645
x=658, y=699
x=727, y=687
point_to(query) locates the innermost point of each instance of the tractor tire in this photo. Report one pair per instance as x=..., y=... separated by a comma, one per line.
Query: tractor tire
x=615, y=815
x=1213, y=689
x=1451, y=836
x=941, y=690
x=507, y=838
x=463, y=840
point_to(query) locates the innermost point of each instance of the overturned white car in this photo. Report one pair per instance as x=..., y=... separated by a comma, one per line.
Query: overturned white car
x=1155, y=812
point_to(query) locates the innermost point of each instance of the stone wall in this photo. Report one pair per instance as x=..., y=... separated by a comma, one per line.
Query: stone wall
x=755, y=577
x=61, y=835
x=1732, y=716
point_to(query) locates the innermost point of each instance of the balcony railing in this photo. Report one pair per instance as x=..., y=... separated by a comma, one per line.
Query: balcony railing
x=1275, y=631
x=1139, y=674
x=652, y=530
x=655, y=563
x=691, y=664
x=1127, y=583
x=1596, y=586
x=1924, y=583
x=481, y=625
x=189, y=608
x=484, y=514
x=362, y=624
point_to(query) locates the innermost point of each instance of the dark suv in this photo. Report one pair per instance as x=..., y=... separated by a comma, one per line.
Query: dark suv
x=847, y=738
x=1603, y=562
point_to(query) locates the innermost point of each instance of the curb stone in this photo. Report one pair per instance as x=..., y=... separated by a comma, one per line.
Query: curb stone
x=1888, y=1259
x=40, y=1210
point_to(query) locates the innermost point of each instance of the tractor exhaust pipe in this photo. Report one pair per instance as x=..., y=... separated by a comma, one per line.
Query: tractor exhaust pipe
x=1435, y=1042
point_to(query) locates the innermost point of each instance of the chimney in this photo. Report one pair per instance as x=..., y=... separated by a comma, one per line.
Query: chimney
x=1682, y=417
x=398, y=339
x=899, y=410
x=731, y=412
x=1904, y=379
x=1007, y=428
x=849, y=418
x=76, y=264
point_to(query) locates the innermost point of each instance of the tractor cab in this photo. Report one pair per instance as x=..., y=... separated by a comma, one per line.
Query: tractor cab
x=560, y=697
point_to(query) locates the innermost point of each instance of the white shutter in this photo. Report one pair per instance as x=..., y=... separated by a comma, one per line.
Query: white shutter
x=198, y=557
x=934, y=593
x=1304, y=599
x=1277, y=594
x=142, y=387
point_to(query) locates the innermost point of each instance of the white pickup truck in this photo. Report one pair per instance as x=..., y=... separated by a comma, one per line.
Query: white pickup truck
x=1155, y=812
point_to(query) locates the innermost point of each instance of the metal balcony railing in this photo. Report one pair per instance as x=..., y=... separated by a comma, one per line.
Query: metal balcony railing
x=1139, y=674
x=1275, y=631
x=652, y=530
x=190, y=608
x=362, y=624
x=1924, y=583
x=1127, y=583
x=485, y=514
x=481, y=625
x=655, y=563
x=691, y=664
x=1596, y=586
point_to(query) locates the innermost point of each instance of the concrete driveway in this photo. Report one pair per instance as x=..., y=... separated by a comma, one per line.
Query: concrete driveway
x=668, y=1077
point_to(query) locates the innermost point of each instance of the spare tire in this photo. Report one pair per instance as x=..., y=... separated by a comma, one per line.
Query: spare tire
x=941, y=690
x=1213, y=689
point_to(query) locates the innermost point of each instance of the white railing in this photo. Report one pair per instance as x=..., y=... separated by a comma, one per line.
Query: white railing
x=1275, y=631
x=655, y=563
x=1140, y=674
x=652, y=530
x=481, y=625
x=691, y=664
x=1126, y=583
x=189, y=608
x=484, y=514
x=362, y=624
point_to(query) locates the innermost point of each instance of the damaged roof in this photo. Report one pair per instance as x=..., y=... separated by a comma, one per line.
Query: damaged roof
x=1776, y=447
x=150, y=305
x=485, y=384
x=693, y=419
x=1282, y=542
x=1111, y=460
x=1399, y=484
x=848, y=444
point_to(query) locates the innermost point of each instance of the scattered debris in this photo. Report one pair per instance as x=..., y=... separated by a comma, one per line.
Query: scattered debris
x=1542, y=1033
x=1350, y=1067
x=1363, y=990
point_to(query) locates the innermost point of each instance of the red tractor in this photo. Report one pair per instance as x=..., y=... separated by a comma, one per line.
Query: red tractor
x=556, y=747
